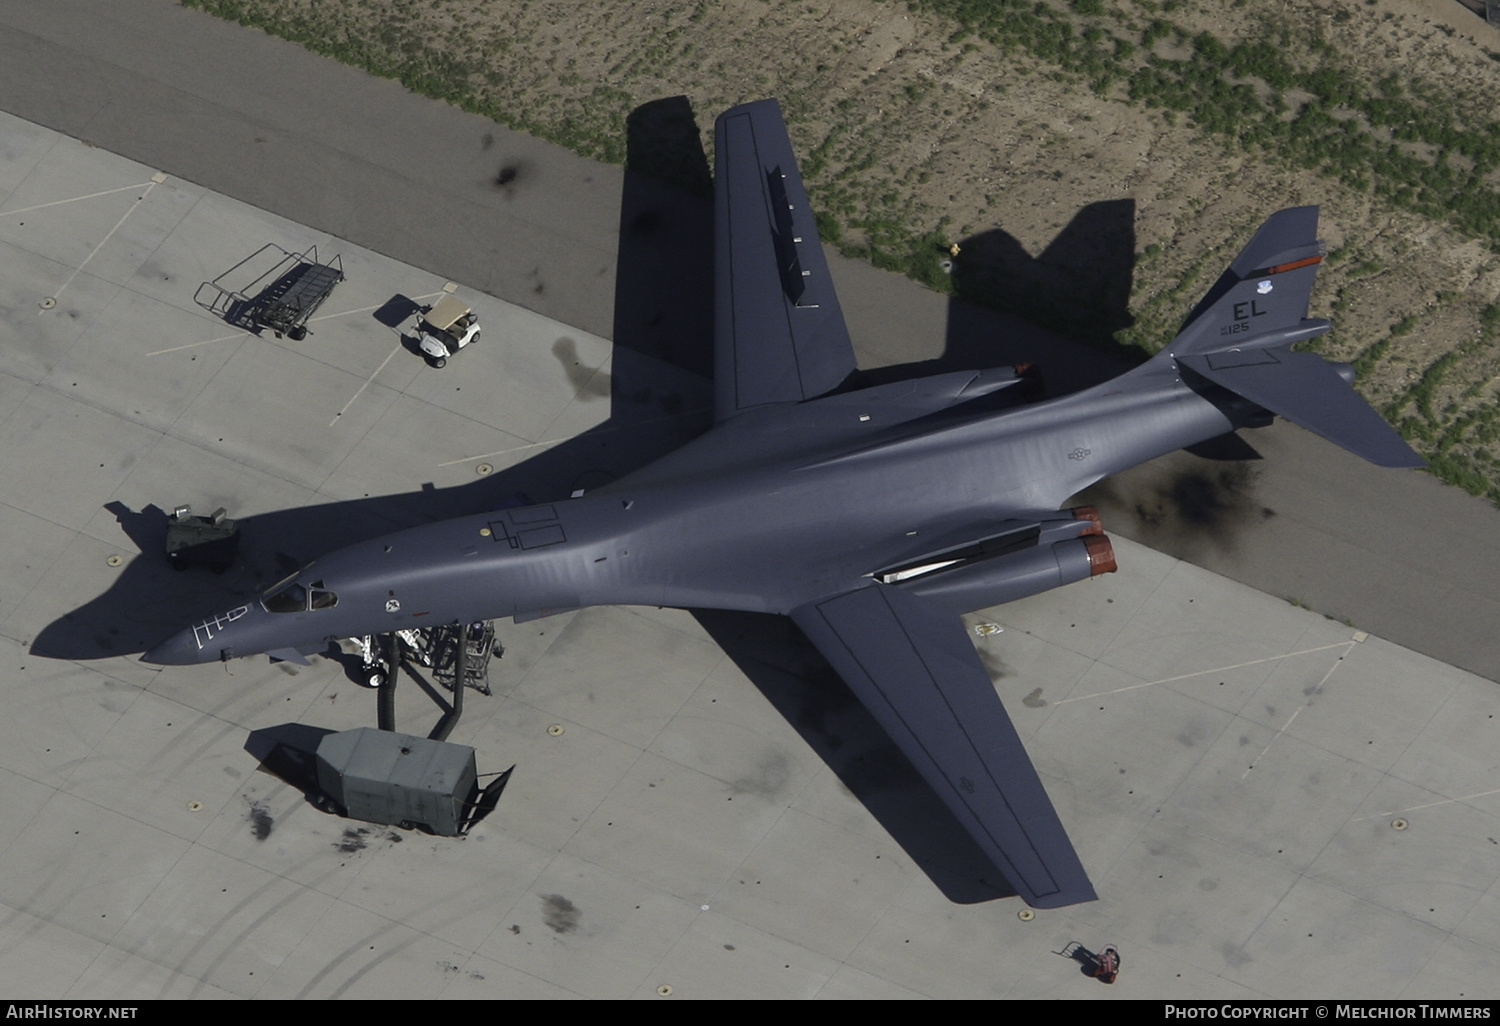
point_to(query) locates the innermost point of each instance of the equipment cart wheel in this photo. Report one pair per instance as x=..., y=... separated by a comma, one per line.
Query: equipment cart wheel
x=439, y=362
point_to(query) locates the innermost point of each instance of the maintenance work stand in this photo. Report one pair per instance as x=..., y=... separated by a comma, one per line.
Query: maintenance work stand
x=450, y=651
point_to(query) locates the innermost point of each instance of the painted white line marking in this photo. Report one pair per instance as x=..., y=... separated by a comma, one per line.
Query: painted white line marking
x=1313, y=694
x=242, y=334
x=555, y=441
x=139, y=199
x=75, y=199
x=1200, y=673
x=370, y=380
x=205, y=342
x=366, y=385
x=1426, y=805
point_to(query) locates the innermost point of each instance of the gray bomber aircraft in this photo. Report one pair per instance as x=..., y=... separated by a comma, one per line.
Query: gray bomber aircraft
x=873, y=518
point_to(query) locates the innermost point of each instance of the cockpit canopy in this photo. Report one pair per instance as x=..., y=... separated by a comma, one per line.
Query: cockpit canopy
x=290, y=596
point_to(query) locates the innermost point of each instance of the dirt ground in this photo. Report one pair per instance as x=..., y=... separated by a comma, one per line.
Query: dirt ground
x=908, y=133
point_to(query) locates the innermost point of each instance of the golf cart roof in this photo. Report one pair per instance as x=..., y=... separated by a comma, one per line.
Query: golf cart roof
x=448, y=312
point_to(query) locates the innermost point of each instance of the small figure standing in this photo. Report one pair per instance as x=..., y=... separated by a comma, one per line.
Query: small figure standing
x=1103, y=967
x=1107, y=965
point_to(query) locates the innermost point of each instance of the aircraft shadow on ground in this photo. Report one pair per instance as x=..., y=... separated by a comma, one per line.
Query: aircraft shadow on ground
x=654, y=409
x=803, y=687
x=1058, y=310
x=660, y=397
x=663, y=327
x=1077, y=287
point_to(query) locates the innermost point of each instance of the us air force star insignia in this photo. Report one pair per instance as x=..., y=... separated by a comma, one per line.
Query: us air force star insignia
x=1079, y=454
x=1263, y=287
x=392, y=605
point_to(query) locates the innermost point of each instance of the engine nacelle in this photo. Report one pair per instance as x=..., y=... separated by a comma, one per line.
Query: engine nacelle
x=1017, y=575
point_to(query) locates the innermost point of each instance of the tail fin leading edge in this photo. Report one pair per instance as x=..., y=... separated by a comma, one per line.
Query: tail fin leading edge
x=1240, y=335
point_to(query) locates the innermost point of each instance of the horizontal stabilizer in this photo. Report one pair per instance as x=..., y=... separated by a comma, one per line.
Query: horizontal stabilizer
x=1306, y=390
x=912, y=665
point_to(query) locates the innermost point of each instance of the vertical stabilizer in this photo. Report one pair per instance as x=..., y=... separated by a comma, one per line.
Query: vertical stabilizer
x=1261, y=299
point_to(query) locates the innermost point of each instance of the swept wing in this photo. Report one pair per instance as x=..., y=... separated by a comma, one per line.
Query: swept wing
x=912, y=665
x=779, y=334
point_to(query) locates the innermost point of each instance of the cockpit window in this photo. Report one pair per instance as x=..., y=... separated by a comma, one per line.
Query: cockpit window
x=287, y=597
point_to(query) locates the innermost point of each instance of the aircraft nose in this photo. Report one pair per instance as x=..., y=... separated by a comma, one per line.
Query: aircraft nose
x=179, y=650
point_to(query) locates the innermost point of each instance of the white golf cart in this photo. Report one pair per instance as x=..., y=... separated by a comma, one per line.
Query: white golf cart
x=446, y=328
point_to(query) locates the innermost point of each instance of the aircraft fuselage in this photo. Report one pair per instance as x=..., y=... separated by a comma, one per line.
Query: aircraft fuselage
x=749, y=516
